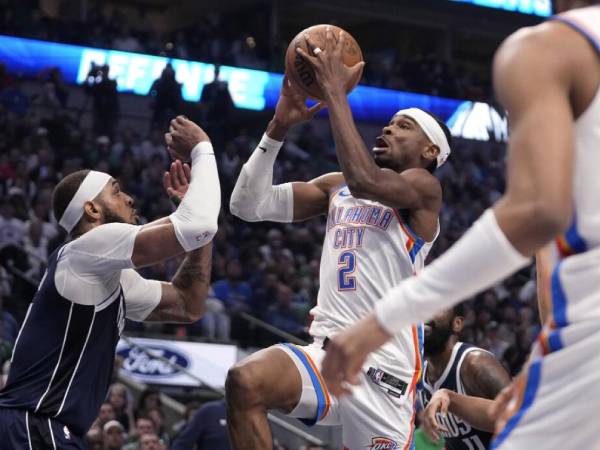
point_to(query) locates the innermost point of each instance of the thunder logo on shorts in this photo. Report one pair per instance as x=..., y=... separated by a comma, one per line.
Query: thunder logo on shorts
x=381, y=443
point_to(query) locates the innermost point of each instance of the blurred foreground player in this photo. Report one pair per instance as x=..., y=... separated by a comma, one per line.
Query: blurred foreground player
x=460, y=382
x=382, y=220
x=64, y=354
x=548, y=78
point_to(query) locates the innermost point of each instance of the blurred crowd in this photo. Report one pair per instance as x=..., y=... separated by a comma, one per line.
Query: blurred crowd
x=225, y=39
x=267, y=270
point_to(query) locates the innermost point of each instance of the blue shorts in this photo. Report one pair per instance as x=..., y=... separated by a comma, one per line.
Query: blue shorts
x=22, y=430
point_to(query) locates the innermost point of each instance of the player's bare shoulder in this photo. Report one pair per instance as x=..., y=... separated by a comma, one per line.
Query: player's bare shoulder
x=424, y=181
x=483, y=375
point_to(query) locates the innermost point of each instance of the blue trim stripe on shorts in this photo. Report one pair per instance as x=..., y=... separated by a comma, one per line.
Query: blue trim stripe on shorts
x=533, y=381
x=555, y=341
x=574, y=239
x=319, y=390
x=559, y=299
x=421, y=354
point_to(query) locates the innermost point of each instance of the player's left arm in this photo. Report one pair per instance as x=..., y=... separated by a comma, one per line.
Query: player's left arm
x=180, y=301
x=415, y=189
x=183, y=299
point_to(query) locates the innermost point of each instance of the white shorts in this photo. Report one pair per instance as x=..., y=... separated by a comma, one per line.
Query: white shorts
x=370, y=418
x=558, y=396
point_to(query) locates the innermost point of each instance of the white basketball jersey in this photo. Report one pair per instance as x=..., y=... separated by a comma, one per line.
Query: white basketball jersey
x=575, y=281
x=368, y=249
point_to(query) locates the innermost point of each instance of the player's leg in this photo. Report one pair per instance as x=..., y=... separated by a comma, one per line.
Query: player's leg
x=268, y=379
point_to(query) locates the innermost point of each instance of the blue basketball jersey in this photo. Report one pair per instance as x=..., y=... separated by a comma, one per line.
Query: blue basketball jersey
x=461, y=435
x=63, y=357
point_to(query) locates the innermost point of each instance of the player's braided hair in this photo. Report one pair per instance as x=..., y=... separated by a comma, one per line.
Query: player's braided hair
x=65, y=191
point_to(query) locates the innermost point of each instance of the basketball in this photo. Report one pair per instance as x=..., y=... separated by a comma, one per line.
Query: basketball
x=301, y=73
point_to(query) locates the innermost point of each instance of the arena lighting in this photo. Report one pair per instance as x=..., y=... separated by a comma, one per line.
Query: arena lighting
x=250, y=89
x=541, y=8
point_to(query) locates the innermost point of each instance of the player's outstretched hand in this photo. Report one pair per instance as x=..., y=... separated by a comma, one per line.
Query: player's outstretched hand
x=182, y=137
x=347, y=352
x=331, y=73
x=500, y=410
x=439, y=403
x=291, y=107
x=177, y=180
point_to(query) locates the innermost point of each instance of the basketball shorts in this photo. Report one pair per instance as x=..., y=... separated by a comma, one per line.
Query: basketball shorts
x=557, y=397
x=21, y=430
x=377, y=415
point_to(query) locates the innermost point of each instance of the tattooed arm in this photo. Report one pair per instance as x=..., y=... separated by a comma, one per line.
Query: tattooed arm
x=483, y=378
x=183, y=299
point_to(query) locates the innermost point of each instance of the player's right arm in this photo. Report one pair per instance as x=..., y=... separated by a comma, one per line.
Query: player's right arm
x=483, y=378
x=194, y=223
x=254, y=196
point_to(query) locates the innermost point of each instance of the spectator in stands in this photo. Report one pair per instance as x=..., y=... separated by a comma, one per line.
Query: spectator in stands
x=103, y=91
x=114, y=435
x=14, y=99
x=107, y=413
x=216, y=323
x=235, y=293
x=126, y=42
x=166, y=92
x=150, y=441
x=149, y=399
x=121, y=399
x=286, y=315
x=158, y=417
x=9, y=328
x=12, y=229
x=216, y=107
x=143, y=425
x=36, y=246
x=206, y=430
x=190, y=410
x=94, y=438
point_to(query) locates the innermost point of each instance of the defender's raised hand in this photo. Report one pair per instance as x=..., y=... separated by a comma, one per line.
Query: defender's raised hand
x=177, y=180
x=182, y=137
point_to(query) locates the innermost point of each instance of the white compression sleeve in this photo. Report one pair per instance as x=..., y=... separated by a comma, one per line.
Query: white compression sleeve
x=254, y=197
x=481, y=258
x=195, y=220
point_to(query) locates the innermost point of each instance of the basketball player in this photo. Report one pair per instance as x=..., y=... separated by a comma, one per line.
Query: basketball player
x=63, y=357
x=548, y=78
x=382, y=220
x=456, y=377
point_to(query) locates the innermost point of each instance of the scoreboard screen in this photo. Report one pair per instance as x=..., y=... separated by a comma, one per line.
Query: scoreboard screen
x=541, y=8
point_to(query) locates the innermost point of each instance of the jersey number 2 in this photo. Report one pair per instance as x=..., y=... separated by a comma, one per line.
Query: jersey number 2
x=346, y=267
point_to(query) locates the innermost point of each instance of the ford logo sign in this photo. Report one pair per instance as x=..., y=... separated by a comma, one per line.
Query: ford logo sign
x=142, y=363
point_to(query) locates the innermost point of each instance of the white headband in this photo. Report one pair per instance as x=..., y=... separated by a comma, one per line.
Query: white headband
x=91, y=186
x=432, y=130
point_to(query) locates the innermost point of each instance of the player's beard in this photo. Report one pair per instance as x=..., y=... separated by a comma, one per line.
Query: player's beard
x=435, y=343
x=112, y=217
